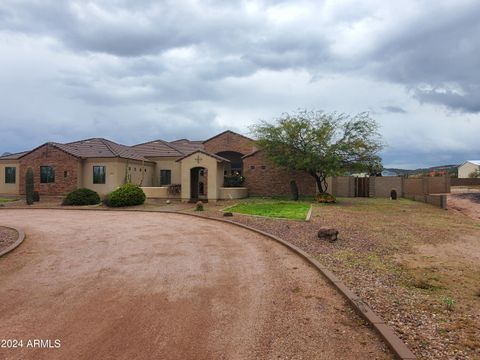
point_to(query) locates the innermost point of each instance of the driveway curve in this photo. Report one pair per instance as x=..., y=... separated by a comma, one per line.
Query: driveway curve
x=124, y=285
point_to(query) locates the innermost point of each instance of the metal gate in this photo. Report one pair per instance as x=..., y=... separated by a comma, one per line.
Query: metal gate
x=362, y=187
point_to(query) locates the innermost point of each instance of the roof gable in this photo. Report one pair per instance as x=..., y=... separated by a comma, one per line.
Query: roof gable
x=474, y=162
x=228, y=132
x=216, y=157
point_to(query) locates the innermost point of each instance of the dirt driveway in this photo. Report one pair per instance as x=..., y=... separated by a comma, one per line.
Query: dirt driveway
x=118, y=285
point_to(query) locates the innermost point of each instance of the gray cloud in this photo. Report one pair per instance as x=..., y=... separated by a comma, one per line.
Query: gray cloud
x=133, y=70
x=394, y=109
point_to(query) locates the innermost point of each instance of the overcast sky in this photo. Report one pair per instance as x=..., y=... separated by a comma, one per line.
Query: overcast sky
x=133, y=71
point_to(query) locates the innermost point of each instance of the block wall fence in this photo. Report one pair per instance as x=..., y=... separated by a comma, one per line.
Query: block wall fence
x=431, y=190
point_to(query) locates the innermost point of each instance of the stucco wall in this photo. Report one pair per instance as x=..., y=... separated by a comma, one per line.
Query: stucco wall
x=116, y=169
x=160, y=192
x=10, y=189
x=232, y=193
x=215, y=174
x=466, y=169
x=167, y=163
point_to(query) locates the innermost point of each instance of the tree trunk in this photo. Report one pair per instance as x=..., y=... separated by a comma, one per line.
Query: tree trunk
x=320, y=183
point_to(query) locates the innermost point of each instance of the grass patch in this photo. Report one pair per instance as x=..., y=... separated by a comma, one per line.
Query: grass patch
x=276, y=209
x=5, y=200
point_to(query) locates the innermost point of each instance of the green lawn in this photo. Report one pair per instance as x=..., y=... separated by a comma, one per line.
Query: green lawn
x=3, y=200
x=275, y=209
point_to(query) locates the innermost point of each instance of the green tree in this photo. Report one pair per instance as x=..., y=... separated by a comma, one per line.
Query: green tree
x=475, y=174
x=322, y=144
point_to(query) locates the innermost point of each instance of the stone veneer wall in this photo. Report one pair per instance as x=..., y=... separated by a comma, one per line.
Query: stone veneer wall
x=264, y=179
x=49, y=155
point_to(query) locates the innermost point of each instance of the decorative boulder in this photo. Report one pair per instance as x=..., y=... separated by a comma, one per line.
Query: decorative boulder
x=227, y=214
x=328, y=234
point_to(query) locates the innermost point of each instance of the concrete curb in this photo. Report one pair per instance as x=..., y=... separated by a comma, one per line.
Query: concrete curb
x=397, y=346
x=21, y=237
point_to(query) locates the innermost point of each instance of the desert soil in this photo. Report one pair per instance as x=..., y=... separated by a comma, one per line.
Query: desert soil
x=407, y=260
x=465, y=201
x=117, y=285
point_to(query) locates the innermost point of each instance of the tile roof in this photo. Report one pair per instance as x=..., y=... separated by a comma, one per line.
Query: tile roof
x=157, y=148
x=13, y=156
x=187, y=146
x=99, y=147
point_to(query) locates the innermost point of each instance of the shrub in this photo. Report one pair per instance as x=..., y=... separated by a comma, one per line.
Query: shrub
x=81, y=197
x=36, y=196
x=29, y=186
x=199, y=206
x=126, y=195
x=325, y=198
x=233, y=181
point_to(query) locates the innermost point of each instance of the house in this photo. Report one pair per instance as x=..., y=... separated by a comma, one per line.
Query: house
x=467, y=168
x=184, y=169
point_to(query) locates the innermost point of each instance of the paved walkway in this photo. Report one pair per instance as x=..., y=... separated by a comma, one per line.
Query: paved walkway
x=122, y=285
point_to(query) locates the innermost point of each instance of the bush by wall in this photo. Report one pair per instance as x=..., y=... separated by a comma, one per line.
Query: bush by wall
x=82, y=197
x=325, y=198
x=126, y=195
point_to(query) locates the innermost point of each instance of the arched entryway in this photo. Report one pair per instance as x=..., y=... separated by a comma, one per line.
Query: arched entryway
x=198, y=183
x=236, y=162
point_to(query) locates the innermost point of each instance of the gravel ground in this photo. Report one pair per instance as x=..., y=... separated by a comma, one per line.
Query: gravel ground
x=366, y=259
x=407, y=260
x=118, y=285
x=7, y=237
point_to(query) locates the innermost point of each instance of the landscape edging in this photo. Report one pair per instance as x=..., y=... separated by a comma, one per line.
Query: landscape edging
x=387, y=334
x=21, y=237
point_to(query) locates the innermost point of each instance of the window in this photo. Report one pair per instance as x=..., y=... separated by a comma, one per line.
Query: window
x=252, y=167
x=47, y=174
x=165, y=177
x=10, y=175
x=263, y=167
x=65, y=174
x=99, y=174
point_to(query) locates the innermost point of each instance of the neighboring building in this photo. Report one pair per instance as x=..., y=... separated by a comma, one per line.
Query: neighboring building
x=185, y=169
x=467, y=168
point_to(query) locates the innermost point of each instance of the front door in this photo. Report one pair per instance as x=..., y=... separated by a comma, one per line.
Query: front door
x=194, y=174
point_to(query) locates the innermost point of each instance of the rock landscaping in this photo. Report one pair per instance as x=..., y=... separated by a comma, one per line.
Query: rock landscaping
x=7, y=237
